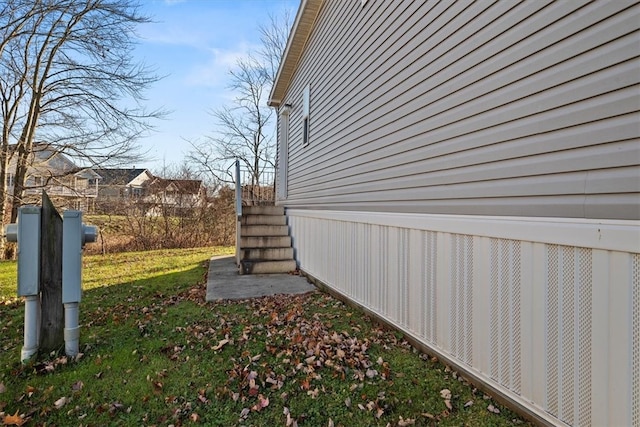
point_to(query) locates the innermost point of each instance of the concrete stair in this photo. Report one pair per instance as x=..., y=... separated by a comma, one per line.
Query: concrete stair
x=265, y=244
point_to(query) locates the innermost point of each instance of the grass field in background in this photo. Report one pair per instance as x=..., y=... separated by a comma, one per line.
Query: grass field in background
x=154, y=353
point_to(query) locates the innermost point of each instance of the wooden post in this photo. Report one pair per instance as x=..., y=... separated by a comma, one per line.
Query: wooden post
x=52, y=329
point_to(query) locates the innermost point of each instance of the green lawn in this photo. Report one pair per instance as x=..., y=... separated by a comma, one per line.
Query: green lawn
x=154, y=353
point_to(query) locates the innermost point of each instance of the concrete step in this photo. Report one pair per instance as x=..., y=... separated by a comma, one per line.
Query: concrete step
x=266, y=267
x=265, y=242
x=262, y=210
x=264, y=230
x=269, y=254
x=263, y=220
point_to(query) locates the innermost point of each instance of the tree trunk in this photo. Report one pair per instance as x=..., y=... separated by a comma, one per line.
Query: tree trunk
x=52, y=329
x=4, y=175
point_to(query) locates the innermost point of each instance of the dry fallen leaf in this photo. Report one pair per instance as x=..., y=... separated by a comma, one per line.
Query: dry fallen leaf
x=221, y=344
x=60, y=402
x=446, y=395
x=408, y=422
x=263, y=402
x=14, y=420
x=493, y=409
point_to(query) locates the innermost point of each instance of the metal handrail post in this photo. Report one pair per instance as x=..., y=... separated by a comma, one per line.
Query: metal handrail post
x=238, y=210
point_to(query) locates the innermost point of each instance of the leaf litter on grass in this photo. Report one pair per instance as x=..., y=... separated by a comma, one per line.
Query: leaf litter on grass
x=292, y=360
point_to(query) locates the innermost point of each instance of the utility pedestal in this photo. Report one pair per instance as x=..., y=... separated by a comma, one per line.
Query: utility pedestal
x=30, y=238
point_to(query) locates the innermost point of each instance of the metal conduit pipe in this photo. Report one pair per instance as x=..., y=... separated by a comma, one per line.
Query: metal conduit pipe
x=31, y=327
x=71, y=329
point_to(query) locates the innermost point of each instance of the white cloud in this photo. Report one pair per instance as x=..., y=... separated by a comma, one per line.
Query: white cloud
x=215, y=72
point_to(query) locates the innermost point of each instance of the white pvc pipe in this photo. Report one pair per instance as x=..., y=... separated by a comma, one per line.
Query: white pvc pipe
x=71, y=329
x=31, y=327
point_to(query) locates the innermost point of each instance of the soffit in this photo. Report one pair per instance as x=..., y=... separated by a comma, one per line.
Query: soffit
x=300, y=33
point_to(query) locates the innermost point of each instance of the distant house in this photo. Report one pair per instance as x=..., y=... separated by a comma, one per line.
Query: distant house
x=122, y=184
x=68, y=185
x=174, y=195
x=470, y=173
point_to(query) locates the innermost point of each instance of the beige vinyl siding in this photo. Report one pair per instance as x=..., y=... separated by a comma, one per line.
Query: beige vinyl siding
x=490, y=108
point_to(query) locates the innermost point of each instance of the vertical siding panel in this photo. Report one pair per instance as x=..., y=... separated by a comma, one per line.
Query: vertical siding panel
x=361, y=263
x=481, y=314
x=403, y=277
x=462, y=297
x=527, y=326
x=635, y=339
x=393, y=271
x=599, y=335
x=375, y=251
x=540, y=311
x=444, y=292
x=430, y=285
x=620, y=333
x=415, y=302
x=584, y=292
x=385, y=285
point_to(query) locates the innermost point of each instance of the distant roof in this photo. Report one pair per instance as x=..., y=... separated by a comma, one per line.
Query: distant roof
x=118, y=176
x=184, y=186
x=40, y=150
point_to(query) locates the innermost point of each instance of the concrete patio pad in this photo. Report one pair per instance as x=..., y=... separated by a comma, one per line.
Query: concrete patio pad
x=224, y=282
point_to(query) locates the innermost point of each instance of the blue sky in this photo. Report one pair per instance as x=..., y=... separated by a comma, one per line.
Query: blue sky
x=194, y=43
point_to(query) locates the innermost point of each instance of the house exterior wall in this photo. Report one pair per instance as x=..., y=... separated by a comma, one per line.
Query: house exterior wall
x=472, y=176
x=54, y=174
x=506, y=108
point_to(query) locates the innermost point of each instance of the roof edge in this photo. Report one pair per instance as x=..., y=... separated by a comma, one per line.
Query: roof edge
x=302, y=27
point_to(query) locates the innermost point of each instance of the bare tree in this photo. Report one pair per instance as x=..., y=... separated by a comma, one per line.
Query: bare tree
x=15, y=17
x=273, y=38
x=244, y=129
x=67, y=74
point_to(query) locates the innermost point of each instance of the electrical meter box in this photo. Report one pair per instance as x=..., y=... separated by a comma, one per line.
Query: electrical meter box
x=72, y=240
x=28, y=237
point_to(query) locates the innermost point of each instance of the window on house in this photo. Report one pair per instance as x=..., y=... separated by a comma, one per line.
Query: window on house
x=37, y=181
x=305, y=115
x=11, y=180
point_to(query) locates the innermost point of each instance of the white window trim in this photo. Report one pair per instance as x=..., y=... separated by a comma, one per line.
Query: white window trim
x=283, y=153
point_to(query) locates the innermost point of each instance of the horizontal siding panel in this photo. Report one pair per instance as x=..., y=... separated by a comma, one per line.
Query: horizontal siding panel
x=466, y=120
x=373, y=149
x=570, y=183
x=396, y=94
x=440, y=171
x=442, y=107
x=619, y=206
